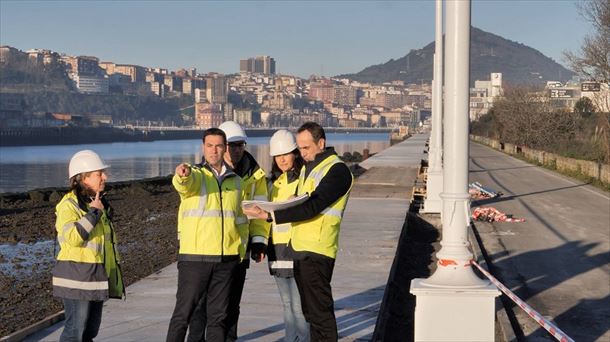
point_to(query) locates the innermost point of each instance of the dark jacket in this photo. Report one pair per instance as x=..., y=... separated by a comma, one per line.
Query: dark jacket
x=333, y=186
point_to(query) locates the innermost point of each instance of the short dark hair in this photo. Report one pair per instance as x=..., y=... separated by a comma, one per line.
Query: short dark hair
x=214, y=131
x=317, y=132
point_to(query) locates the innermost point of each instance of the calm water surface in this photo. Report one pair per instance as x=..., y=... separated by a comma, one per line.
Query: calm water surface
x=33, y=167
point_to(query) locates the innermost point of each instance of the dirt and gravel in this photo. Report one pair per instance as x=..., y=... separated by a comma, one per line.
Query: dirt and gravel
x=145, y=220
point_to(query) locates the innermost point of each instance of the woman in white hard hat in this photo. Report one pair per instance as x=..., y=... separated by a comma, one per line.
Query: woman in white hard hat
x=87, y=271
x=287, y=164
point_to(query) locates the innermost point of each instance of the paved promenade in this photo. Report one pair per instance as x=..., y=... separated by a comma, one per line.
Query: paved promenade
x=371, y=227
x=559, y=259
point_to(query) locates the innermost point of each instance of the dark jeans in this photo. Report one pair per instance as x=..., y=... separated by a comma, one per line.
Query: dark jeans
x=198, y=322
x=83, y=319
x=313, y=275
x=195, y=280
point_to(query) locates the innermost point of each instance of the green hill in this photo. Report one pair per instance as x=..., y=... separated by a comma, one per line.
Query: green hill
x=518, y=63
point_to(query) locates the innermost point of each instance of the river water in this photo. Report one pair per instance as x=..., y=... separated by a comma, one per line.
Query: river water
x=25, y=168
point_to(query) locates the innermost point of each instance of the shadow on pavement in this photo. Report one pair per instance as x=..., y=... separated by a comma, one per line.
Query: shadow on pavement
x=566, y=261
x=587, y=313
x=364, y=305
x=392, y=317
x=501, y=169
x=414, y=259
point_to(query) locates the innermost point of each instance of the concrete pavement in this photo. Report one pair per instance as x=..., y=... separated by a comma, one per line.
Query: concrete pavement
x=371, y=227
x=559, y=259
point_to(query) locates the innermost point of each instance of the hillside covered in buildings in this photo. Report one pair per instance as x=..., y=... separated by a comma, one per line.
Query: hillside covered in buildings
x=43, y=88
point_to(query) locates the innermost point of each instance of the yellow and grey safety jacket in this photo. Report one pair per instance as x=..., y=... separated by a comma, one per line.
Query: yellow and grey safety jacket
x=254, y=188
x=280, y=262
x=210, y=217
x=319, y=234
x=87, y=265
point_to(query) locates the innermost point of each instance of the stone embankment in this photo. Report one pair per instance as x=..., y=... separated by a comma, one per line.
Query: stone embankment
x=595, y=170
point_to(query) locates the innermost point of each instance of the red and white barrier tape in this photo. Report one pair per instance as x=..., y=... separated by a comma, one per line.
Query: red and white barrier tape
x=550, y=327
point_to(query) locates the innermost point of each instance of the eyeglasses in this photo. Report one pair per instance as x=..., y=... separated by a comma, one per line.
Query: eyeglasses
x=238, y=144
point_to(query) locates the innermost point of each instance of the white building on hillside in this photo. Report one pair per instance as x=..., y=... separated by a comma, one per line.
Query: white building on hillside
x=483, y=95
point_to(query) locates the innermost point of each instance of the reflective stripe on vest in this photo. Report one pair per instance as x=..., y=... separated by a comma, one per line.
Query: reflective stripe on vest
x=281, y=264
x=333, y=212
x=281, y=228
x=210, y=215
x=203, y=200
x=202, y=212
x=317, y=175
x=80, y=285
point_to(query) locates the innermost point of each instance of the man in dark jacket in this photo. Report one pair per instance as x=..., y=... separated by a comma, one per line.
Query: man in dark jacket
x=315, y=227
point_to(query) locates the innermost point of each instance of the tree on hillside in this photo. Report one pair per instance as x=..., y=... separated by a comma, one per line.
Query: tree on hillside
x=593, y=63
x=593, y=59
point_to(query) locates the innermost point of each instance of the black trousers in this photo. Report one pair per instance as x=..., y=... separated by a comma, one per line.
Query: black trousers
x=198, y=320
x=313, y=275
x=195, y=280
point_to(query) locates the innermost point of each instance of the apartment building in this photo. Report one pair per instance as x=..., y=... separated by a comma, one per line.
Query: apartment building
x=483, y=95
x=216, y=89
x=261, y=65
x=208, y=115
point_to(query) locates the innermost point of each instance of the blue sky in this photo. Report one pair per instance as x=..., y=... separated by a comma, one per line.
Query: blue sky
x=305, y=37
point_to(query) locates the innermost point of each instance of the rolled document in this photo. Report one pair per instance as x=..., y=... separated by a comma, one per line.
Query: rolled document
x=273, y=206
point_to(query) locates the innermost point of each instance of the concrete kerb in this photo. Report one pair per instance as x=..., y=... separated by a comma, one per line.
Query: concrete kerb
x=20, y=335
x=481, y=257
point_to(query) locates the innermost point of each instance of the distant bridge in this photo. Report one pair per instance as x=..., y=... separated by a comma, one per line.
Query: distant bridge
x=258, y=131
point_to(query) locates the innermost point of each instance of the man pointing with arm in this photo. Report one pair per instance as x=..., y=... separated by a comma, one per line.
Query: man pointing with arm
x=315, y=227
x=209, y=220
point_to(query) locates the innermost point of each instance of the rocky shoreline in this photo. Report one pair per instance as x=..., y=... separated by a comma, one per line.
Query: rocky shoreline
x=145, y=220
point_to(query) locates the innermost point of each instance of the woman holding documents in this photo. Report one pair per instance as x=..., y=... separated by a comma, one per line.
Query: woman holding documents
x=287, y=163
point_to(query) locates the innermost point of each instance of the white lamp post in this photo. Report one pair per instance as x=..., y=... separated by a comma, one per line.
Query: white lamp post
x=434, y=183
x=454, y=295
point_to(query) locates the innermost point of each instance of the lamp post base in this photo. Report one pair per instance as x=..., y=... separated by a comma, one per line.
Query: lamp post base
x=454, y=314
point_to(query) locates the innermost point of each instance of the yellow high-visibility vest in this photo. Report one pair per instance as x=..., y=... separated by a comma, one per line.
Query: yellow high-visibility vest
x=87, y=265
x=210, y=216
x=281, y=191
x=280, y=264
x=254, y=187
x=319, y=234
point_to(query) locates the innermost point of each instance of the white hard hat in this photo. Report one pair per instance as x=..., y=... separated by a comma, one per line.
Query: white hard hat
x=85, y=161
x=233, y=131
x=281, y=142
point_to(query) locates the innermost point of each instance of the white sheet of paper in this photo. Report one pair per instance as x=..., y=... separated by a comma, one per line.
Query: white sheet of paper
x=272, y=206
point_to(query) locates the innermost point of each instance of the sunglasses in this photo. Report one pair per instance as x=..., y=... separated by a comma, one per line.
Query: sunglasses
x=237, y=144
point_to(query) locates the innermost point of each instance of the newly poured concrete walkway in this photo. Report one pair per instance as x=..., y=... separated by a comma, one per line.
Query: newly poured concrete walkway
x=370, y=230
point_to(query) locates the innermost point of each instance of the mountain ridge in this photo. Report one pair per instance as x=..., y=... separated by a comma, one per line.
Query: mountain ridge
x=519, y=64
